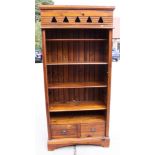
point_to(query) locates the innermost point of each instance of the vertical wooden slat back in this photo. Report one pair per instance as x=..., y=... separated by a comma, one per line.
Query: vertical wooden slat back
x=87, y=51
x=100, y=96
x=77, y=73
x=77, y=51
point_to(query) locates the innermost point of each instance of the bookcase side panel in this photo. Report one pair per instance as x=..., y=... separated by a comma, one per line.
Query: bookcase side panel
x=109, y=81
x=46, y=82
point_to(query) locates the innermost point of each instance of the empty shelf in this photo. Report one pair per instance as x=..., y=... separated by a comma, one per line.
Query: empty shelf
x=76, y=85
x=77, y=118
x=72, y=39
x=77, y=106
x=77, y=63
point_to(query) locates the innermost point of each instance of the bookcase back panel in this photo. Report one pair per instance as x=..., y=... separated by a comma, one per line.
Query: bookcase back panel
x=76, y=34
x=76, y=52
x=78, y=113
x=76, y=45
x=76, y=95
x=79, y=73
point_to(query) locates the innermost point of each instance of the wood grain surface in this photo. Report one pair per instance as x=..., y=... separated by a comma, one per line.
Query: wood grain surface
x=77, y=56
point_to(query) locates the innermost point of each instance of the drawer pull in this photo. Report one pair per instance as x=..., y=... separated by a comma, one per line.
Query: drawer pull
x=82, y=14
x=92, y=129
x=63, y=132
x=89, y=136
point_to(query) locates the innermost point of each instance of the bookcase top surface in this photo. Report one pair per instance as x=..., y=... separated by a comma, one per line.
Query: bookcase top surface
x=76, y=7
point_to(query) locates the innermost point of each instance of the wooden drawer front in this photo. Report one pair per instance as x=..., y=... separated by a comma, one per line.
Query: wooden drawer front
x=64, y=131
x=93, y=130
x=58, y=17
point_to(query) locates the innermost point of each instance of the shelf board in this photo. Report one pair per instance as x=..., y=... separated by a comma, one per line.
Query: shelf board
x=76, y=85
x=72, y=39
x=76, y=118
x=77, y=106
x=76, y=63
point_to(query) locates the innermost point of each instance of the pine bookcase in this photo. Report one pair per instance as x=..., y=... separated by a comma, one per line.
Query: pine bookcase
x=77, y=58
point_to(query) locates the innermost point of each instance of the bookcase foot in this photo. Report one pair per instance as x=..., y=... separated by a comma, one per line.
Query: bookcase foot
x=58, y=143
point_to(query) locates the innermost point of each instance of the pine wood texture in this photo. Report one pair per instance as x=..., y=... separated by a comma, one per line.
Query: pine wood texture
x=76, y=85
x=93, y=130
x=75, y=39
x=75, y=7
x=77, y=48
x=64, y=131
x=71, y=130
x=57, y=143
x=77, y=95
x=52, y=17
x=77, y=106
x=76, y=118
x=77, y=63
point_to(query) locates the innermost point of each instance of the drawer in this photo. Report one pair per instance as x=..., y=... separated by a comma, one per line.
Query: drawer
x=64, y=131
x=93, y=130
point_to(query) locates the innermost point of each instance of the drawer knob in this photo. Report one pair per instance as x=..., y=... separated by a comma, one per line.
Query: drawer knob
x=82, y=14
x=63, y=132
x=93, y=129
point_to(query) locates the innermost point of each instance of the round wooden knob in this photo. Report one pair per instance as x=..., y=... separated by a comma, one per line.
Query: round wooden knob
x=93, y=129
x=82, y=14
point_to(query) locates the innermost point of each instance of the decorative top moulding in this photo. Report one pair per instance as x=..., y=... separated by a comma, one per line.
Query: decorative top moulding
x=76, y=7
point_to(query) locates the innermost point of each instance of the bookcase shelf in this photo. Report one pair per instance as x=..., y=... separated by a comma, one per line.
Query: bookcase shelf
x=77, y=106
x=76, y=118
x=76, y=39
x=76, y=63
x=77, y=56
x=76, y=85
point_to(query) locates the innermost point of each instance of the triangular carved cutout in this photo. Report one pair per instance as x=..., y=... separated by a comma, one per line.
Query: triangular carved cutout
x=100, y=20
x=77, y=20
x=89, y=20
x=65, y=20
x=54, y=20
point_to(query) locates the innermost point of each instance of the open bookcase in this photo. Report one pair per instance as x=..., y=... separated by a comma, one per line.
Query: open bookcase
x=77, y=47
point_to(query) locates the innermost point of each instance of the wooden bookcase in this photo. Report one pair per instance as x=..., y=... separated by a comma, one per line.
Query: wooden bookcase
x=77, y=49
